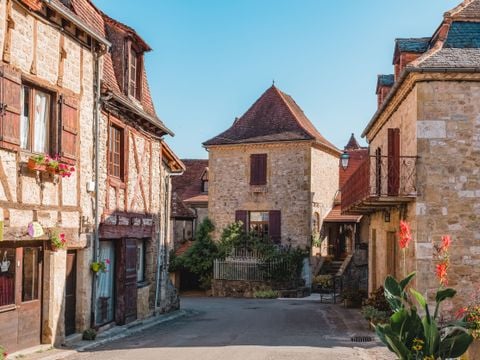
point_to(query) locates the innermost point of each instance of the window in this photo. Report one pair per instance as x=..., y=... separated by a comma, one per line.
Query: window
x=134, y=74
x=7, y=276
x=258, y=169
x=258, y=224
x=35, y=120
x=205, y=182
x=31, y=274
x=140, y=261
x=115, y=152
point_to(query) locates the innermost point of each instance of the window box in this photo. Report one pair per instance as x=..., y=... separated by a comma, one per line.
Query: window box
x=34, y=165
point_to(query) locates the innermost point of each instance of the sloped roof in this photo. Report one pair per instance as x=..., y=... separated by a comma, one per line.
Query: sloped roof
x=188, y=186
x=412, y=45
x=98, y=20
x=352, y=143
x=275, y=116
x=335, y=216
x=468, y=9
x=385, y=80
x=463, y=35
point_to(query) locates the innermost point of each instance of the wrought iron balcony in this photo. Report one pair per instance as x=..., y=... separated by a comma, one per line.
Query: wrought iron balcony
x=380, y=182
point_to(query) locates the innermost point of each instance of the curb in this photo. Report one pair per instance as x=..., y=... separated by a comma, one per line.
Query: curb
x=120, y=332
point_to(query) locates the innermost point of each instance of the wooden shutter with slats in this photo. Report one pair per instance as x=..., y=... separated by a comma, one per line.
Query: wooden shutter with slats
x=68, y=128
x=393, y=161
x=241, y=215
x=10, y=108
x=258, y=169
x=275, y=226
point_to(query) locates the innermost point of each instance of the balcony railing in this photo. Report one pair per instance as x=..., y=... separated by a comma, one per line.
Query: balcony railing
x=380, y=181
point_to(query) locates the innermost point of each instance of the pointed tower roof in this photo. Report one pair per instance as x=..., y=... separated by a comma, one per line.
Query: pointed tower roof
x=275, y=116
x=352, y=143
x=467, y=10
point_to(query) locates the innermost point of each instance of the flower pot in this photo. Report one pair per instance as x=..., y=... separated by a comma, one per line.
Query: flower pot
x=473, y=351
x=52, y=170
x=95, y=267
x=32, y=165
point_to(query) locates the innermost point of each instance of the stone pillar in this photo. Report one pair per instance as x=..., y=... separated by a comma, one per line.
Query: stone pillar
x=53, y=326
x=84, y=288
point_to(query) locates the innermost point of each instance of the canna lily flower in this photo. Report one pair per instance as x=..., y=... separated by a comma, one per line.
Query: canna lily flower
x=405, y=234
x=446, y=242
x=441, y=271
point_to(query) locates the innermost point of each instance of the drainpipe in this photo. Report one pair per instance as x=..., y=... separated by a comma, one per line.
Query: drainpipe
x=162, y=255
x=96, y=116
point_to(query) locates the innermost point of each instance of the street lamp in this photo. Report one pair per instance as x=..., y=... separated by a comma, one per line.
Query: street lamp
x=344, y=158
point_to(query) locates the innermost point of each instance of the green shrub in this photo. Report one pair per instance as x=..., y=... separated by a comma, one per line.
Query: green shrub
x=374, y=315
x=265, y=294
x=89, y=334
x=378, y=301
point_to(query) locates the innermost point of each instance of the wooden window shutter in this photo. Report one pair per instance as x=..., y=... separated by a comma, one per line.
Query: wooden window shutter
x=10, y=108
x=241, y=215
x=275, y=226
x=258, y=169
x=393, y=161
x=68, y=128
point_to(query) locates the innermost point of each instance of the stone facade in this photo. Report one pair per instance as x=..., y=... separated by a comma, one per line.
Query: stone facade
x=59, y=63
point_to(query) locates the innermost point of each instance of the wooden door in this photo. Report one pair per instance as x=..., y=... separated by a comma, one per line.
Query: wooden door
x=393, y=162
x=130, y=280
x=29, y=297
x=391, y=253
x=70, y=293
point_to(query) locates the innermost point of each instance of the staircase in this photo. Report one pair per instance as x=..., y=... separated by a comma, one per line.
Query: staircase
x=332, y=267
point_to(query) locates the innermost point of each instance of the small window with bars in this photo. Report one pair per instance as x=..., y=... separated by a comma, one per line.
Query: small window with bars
x=115, y=152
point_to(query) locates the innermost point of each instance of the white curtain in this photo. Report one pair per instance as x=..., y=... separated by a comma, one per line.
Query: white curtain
x=105, y=284
x=24, y=118
x=40, y=142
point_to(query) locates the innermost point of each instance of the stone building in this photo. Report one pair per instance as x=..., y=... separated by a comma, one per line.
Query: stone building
x=189, y=200
x=273, y=171
x=62, y=93
x=49, y=58
x=423, y=164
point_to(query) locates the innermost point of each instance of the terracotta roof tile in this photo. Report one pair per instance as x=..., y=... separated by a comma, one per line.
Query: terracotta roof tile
x=188, y=185
x=275, y=116
x=335, y=216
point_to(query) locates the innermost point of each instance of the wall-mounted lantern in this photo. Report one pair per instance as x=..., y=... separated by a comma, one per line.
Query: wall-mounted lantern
x=344, y=159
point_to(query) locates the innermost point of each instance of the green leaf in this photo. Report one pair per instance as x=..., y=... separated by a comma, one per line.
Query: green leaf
x=406, y=281
x=432, y=335
x=395, y=344
x=455, y=345
x=445, y=294
x=393, y=293
x=421, y=301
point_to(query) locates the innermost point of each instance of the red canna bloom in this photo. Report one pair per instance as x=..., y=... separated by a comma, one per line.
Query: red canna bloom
x=442, y=273
x=405, y=234
x=446, y=242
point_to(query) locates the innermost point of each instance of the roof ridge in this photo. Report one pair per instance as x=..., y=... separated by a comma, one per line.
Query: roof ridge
x=459, y=8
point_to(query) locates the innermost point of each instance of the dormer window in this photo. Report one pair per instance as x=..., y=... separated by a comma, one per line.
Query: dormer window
x=205, y=181
x=134, y=78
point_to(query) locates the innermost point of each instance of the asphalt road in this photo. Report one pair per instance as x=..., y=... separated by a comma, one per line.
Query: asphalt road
x=241, y=329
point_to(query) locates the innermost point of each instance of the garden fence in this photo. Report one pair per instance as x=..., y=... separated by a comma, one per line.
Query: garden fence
x=245, y=268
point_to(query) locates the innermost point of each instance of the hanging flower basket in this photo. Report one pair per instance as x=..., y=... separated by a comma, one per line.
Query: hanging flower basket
x=99, y=266
x=58, y=240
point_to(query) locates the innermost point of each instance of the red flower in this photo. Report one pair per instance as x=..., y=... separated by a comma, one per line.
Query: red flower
x=446, y=242
x=460, y=313
x=107, y=261
x=405, y=234
x=442, y=273
x=72, y=169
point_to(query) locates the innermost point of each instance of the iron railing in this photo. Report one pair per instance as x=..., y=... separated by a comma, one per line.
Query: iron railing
x=381, y=177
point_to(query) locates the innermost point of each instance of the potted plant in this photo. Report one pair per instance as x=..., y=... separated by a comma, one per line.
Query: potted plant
x=100, y=265
x=37, y=163
x=353, y=298
x=471, y=315
x=65, y=170
x=322, y=283
x=57, y=240
x=52, y=164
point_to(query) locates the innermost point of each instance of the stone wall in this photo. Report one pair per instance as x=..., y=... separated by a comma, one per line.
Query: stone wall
x=34, y=49
x=448, y=136
x=287, y=189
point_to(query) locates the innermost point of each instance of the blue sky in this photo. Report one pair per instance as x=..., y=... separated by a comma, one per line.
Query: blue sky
x=212, y=59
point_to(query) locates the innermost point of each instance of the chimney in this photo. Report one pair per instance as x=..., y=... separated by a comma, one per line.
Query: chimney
x=406, y=51
x=384, y=85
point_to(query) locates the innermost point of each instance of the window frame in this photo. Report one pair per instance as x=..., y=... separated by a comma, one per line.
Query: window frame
x=135, y=61
x=263, y=224
x=51, y=121
x=258, y=175
x=121, y=131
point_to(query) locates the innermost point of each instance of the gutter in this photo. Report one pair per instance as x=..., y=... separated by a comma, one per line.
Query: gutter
x=75, y=20
x=400, y=81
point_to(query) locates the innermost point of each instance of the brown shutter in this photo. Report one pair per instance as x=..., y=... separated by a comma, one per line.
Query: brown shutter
x=241, y=215
x=10, y=108
x=258, y=169
x=275, y=226
x=68, y=128
x=393, y=161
